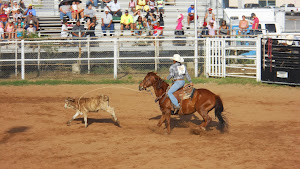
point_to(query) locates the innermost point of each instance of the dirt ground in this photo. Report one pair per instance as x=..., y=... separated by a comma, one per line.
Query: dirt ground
x=264, y=130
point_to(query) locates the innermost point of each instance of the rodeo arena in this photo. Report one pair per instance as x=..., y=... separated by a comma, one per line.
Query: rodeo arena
x=149, y=84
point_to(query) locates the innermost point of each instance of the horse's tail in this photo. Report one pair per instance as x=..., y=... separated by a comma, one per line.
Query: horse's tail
x=218, y=112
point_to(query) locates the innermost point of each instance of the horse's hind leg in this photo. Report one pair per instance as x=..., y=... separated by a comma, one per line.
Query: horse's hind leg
x=205, y=117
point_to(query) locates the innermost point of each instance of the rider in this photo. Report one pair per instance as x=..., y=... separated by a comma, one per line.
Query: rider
x=177, y=71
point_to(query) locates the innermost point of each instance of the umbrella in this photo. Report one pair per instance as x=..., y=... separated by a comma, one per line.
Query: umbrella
x=66, y=1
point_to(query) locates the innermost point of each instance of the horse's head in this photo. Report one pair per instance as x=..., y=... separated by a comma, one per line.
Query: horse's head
x=149, y=80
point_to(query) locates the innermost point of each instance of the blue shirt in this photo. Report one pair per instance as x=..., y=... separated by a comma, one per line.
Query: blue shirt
x=191, y=10
x=31, y=10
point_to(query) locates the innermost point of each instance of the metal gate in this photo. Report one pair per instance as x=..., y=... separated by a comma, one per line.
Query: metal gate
x=215, y=57
x=234, y=57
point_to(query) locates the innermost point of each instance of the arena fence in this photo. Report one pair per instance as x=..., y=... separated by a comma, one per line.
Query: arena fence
x=96, y=59
x=129, y=58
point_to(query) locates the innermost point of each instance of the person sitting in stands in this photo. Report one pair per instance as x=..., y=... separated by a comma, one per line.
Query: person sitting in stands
x=89, y=13
x=2, y=31
x=139, y=26
x=74, y=9
x=64, y=29
x=80, y=9
x=209, y=16
x=3, y=18
x=93, y=2
x=158, y=30
x=91, y=27
x=19, y=31
x=211, y=28
x=10, y=29
x=107, y=22
x=132, y=5
x=114, y=8
x=160, y=6
x=191, y=13
x=30, y=9
x=19, y=21
x=78, y=30
x=31, y=19
x=18, y=15
x=224, y=30
x=104, y=3
x=204, y=30
x=65, y=10
x=141, y=4
x=6, y=9
x=15, y=7
x=31, y=29
x=126, y=22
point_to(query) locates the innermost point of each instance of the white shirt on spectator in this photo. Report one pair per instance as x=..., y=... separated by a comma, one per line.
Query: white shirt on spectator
x=64, y=33
x=107, y=18
x=65, y=8
x=113, y=6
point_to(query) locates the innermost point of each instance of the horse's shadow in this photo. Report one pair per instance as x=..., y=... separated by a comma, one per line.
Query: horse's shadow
x=183, y=122
x=92, y=120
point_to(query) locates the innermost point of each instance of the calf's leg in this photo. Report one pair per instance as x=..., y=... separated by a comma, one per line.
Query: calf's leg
x=74, y=117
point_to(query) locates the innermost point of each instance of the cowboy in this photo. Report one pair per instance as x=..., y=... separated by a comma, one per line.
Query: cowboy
x=177, y=71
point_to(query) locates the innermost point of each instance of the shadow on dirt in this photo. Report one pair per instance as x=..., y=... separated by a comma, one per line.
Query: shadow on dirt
x=12, y=132
x=92, y=120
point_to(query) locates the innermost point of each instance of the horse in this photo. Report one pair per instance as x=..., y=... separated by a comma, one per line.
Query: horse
x=202, y=101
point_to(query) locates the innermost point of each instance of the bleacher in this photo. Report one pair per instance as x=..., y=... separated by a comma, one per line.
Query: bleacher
x=50, y=23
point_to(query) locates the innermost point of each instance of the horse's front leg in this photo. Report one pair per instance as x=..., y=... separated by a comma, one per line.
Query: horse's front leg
x=168, y=121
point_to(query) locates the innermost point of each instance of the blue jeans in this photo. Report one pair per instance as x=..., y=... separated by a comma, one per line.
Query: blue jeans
x=88, y=2
x=69, y=14
x=177, y=84
x=104, y=28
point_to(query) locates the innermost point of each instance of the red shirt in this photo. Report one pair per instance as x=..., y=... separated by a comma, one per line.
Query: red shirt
x=156, y=29
x=255, y=23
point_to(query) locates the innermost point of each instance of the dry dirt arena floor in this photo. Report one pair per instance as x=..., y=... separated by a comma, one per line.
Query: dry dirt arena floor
x=264, y=130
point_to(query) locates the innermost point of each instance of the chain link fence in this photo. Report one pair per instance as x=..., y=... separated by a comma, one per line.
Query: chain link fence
x=87, y=59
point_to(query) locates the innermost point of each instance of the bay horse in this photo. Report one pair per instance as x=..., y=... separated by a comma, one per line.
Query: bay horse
x=202, y=101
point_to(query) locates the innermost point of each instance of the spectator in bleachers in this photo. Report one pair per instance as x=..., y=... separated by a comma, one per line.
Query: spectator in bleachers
x=204, y=30
x=243, y=25
x=126, y=22
x=150, y=15
x=136, y=15
x=30, y=19
x=191, y=13
x=132, y=6
x=158, y=30
x=19, y=21
x=223, y=29
x=6, y=9
x=114, y=8
x=179, y=30
x=93, y=2
x=211, y=28
x=30, y=9
x=89, y=13
x=139, y=26
x=0, y=3
x=149, y=27
x=160, y=6
x=1, y=31
x=141, y=4
x=19, y=31
x=31, y=29
x=65, y=10
x=152, y=6
x=91, y=27
x=80, y=9
x=14, y=7
x=107, y=22
x=209, y=16
x=161, y=19
x=255, y=24
x=4, y=18
x=22, y=6
x=104, y=3
x=74, y=10
x=18, y=15
x=10, y=29
x=64, y=29
x=78, y=30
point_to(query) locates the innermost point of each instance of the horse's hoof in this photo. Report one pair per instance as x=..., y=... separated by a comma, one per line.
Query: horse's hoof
x=203, y=128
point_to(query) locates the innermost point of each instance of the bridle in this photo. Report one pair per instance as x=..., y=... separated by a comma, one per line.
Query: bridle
x=158, y=87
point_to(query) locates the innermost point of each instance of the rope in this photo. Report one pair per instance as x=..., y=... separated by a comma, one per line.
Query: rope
x=270, y=52
x=105, y=88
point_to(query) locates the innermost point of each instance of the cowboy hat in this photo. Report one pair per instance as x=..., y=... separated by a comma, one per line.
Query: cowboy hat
x=177, y=58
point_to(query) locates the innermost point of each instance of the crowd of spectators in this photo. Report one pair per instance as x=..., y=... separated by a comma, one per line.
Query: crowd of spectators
x=16, y=20
x=142, y=17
